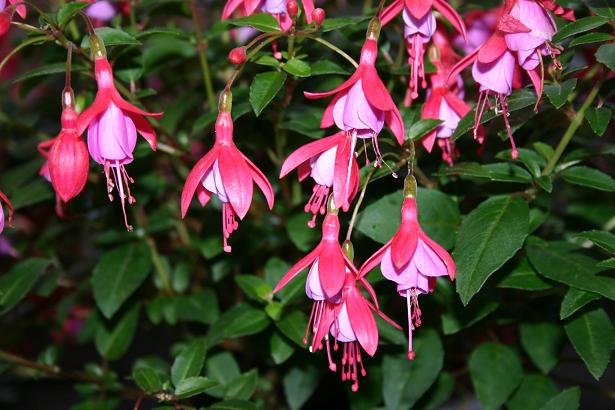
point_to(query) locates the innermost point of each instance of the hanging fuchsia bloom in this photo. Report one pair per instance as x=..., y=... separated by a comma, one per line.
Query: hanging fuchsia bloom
x=419, y=27
x=112, y=125
x=7, y=11
x=225, y=172
x=331, y=163
x=67, y=160
x=277, y=8
x=444, y=102
x=412, y=260
x=6, y=201
x=362, y=105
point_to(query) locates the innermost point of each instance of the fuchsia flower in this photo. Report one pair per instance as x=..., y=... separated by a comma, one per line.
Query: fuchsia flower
x=6, y=201
x=67, y=160
x=112, y=125
x=412, y=260
x=277, y=8
x=362, y=105
x=420, y=25
x=331, y=163
x=6, y=13
x=480, y=26
x=225, y=172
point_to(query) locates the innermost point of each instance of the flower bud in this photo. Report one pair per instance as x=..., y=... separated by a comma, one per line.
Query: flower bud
x=348, y=250
x=68, y=165
x=318, y=16
x=292, y=8
x=237, y=55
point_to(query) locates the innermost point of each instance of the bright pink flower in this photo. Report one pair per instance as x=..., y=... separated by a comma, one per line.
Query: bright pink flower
x=6, y=201
x=362, y=105
x=7, y=11
x=225, y=172
x=67, y=160
x=277, y=8
x=17, y=5
x=331, y=163
x=112, y=125
x=412, y=260
x=101, y=10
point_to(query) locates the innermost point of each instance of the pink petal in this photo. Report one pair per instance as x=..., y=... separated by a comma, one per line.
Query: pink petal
x=297, y=268
x=308, y=151
x=236, y=178
x=195, y=177
x=362, y=321
x=332, y=268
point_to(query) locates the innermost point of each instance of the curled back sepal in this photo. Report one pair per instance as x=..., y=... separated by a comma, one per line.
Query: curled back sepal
x=3, y=198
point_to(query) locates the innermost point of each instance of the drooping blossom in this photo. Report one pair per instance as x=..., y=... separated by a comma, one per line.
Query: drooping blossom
x=5, y=201
x=277, y=8
x=67, y=156
x=112, y=125
x=331, y=163
x=412, y=260
x=362, y=105
x=444, y=101
x=226, y=173
x=419, y=27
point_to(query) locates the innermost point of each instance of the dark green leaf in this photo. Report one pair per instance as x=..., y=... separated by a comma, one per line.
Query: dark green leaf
x=261, y=21
x=593, y=337
x=281, y=349
x=558, y=92
x=192, y=386
x=118, y=274
x=189, y=362
x=243, y=387
x=598, y=118
x=559, y=262
x=542, y=342
x=604, y=8
x=299, y=384
x=605, y=240
x=298, y=68
x=47, y=69
x=580, y=26
x=147, y=379
x=574, y=300
x=534, y=392
x=112, y=343
x=68, y=11
x=254, y=287
x=222, y=368
x=111, y=37
x=264, y=87
x=440, y=392
x=566, y=400
x=241, y=320
x=15, y=284
x=321, y=67
x=489, y=236
x=458, y=317
x=421, y=128
x=524, y=277
x=496, y=372
x=293, y=326
x=405, y=381
x=589, y=177
x=233, y=405
x=590, y=38
x=337, y=23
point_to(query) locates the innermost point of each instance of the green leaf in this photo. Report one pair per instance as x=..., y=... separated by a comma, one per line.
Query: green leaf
x=542, y=342
x=457, y=317
x=580, y=26
x=240, y=320
x=192, y=386
x=598, y=119
x=438, y=216
x=558, y=92
x=113, y=343
x=222, y=368
x=489, y=236
x=421, y=128
x=439, y=393
x=280, y=348
x=243, y=387
x=604, y=8
x=593, y=337
x=503, y=172
x=535, y=391
x=293, y=326
x=189, y=362
x=299, y=385
x=118, y=274
x=590, y=38
x=47, y=69
x=254, y=287
x=606, y=55
x=605, y=240
x=264, y=87
x=147, y=379
x=298, y=68
x=574, y=300
x=566, y=400
x=304, y=239
x=322, y=67
x=589, y=177
x=405, y=381
x=524, y=277
x=337, y=23
x=68, y=11
x=559, y=262
x=15, y=284
x=496, y=372
x=111, y=37
x=233, y=405
x=261, y=21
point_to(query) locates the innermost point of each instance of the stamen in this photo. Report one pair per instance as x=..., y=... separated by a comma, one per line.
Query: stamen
x=317, y=203
x=503, y=102
x=332, y=365
x=229, y=224
x=117, y=177
x=417, y=67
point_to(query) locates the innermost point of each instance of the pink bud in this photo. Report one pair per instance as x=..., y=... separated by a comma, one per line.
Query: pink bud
x=292, y=8
x=318, y=15
x=237, y=55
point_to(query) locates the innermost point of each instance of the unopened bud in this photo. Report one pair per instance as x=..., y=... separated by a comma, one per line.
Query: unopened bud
x=237, y=55
x=348, y=250
x=292, y=8
x=318, y=16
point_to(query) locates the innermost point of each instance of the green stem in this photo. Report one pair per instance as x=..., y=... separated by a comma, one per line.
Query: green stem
x=572, y=128
x=334, y=48
x=355, y=211
x=201, y=47
x=33, y=40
